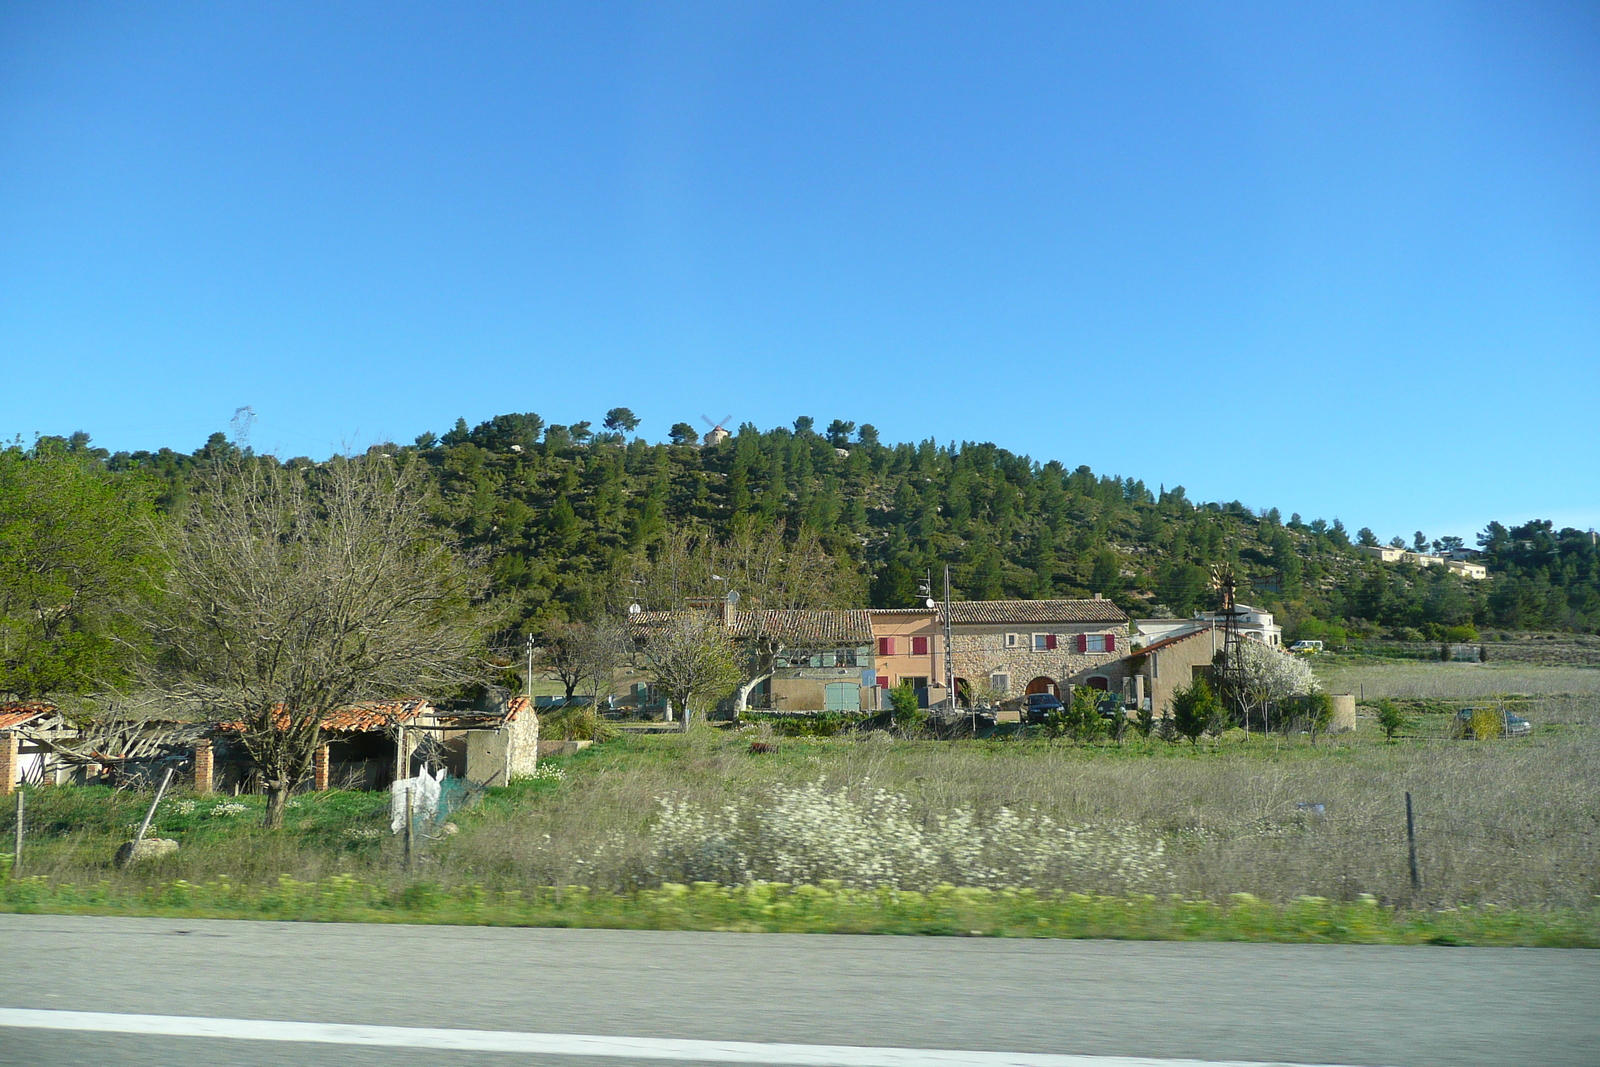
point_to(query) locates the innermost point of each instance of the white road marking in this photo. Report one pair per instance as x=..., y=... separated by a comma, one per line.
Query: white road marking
x=639, y=1048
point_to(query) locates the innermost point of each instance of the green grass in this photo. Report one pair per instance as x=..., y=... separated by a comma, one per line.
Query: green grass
x=828, y=908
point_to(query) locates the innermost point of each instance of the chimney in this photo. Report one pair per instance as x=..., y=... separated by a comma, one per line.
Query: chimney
x=1097, y=596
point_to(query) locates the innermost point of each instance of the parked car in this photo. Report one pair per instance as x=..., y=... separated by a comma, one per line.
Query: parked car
x=1036, y=707
x=1510, y=725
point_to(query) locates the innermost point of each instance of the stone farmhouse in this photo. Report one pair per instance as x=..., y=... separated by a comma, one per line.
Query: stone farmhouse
x=1000, y=649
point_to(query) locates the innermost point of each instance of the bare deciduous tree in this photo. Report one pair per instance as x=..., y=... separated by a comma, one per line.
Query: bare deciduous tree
x=583, y=654
x=769, y=570
x=691, y=659
x=286, y=594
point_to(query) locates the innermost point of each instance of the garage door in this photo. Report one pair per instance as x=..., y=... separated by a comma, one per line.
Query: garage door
x=842, y=696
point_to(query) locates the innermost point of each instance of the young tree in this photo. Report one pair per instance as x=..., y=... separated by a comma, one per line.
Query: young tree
x=1391, y=720
x=73, y=541
x=690, y=658
x=1194, y=710
x=683, y=434
x=286, y=594
x=839, y=431
x=621, y=420
x=581, y=432
x=1366, y=538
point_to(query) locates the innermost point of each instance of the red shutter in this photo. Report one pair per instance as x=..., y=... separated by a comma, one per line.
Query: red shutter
x=1050, y=642
x=1083, y=642
x=883, y=681
x=885, y=646
x=919, y=646
x=1111, y=642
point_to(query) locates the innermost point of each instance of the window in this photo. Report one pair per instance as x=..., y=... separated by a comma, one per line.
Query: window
x=914, y=681
x=1000, y=683
x=1013, y=640
x=885, y=646
x=1044, y=642
x=1097, y=642
x=919, y=646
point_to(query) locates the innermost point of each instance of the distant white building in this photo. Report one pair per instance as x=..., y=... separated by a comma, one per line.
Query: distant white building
x=1253, y=623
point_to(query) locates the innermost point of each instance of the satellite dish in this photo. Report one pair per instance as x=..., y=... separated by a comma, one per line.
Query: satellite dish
x=932, y=603
x=733, y=596
x=634, y=609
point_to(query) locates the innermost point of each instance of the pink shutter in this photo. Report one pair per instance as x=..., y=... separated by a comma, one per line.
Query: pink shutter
x=885, y=646
x=1083, y=642
x=1111, y=642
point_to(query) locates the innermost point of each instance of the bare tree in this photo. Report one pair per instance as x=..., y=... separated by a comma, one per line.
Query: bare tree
x=286, y=594
x=769, y=570
x=690, y=657
x=583, y=654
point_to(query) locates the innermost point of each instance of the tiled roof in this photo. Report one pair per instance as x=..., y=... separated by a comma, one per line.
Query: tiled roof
x=375, y=714
x=812, y=628
x=1028, y=611
x=18, y=712
x=357, y=718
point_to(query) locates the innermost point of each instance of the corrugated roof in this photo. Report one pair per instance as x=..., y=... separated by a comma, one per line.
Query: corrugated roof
x=17, y=712
x=1029, y=611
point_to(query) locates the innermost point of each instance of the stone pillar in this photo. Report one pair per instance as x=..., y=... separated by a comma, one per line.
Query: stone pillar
x=202, y=766
x=319, y=768
x=10, y=762
x=1138, y=691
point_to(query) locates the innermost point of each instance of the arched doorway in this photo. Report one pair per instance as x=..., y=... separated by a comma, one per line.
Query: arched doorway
x=1100, y=683
x=1042, y=684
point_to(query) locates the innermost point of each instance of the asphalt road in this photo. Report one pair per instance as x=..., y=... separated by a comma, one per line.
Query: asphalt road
x=1301, y=1004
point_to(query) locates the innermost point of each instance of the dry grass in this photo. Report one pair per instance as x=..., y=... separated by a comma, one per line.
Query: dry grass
x=1498, y=822
x=1455, y=681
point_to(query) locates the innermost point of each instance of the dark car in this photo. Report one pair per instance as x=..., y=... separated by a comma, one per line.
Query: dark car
x=1509, y=725
x=1036, y=707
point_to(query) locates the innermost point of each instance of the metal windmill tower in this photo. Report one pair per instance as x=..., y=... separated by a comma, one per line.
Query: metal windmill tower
x=1228, y=665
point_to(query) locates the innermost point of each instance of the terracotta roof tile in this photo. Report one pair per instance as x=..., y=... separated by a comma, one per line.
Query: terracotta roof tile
x=15, y=713
x=814, y=628
x=1029, y=611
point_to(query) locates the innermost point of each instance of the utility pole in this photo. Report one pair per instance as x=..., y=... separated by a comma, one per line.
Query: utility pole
x=527, y=689
x=949, y=654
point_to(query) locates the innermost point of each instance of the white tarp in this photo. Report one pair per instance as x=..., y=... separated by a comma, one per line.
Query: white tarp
x=424, y=793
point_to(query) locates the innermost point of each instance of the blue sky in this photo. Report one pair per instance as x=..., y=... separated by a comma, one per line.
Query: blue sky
x=1342, y=259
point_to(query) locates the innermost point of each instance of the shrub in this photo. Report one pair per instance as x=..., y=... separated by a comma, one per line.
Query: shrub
x=575, y=722
x=808, y=834
x=1195, y=710
x=908, y=716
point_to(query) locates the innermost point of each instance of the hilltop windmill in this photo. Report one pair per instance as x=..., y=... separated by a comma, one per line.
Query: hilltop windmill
x=719, y=430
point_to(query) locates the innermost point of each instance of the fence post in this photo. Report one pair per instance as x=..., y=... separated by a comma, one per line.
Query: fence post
x=16, y=858
x=1411, y=842
x=409, y=830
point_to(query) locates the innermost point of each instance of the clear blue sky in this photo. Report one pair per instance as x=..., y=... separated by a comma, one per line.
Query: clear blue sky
x=1343, y=259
